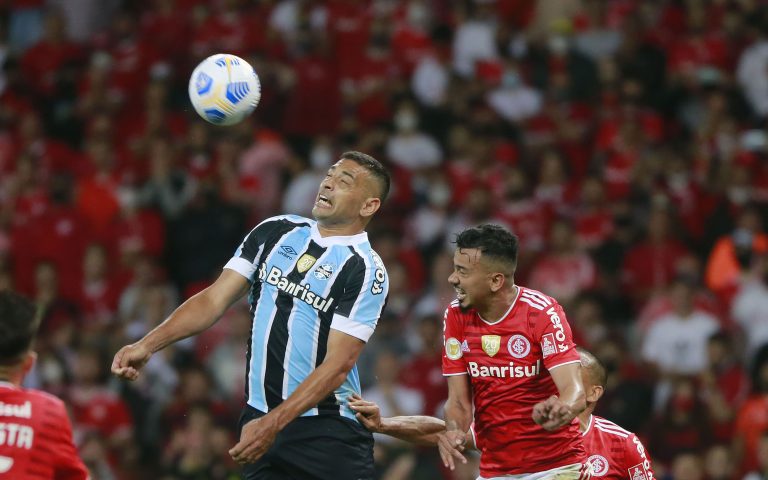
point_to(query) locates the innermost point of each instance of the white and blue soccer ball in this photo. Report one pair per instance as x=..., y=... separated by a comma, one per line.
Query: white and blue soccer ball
x=224, y=89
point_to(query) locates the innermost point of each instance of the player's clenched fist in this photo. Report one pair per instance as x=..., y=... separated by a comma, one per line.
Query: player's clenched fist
x=255, y=439
x=451, y=444
x=552, y=413
x=129, y=360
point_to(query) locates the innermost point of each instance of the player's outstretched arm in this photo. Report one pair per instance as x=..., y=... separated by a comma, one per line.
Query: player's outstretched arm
x=259, y=434
x=458, y=418
x=418, y=429
x=192, y=317
x=558, y=411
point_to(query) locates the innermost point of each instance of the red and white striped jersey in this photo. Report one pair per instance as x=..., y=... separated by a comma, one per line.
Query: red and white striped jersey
x=615, y=453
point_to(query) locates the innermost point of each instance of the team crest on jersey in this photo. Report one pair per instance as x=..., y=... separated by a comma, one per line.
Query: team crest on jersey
x=491, y=344
x=305, y=263
x=637, y=472
x=323, y=272
x=453, y=349
x=599, y=465
x=518, y=346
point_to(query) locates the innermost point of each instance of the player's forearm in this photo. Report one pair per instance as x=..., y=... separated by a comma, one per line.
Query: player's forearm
x=458, y=415
x=318, y=385
x=574, y=398
x=417, y=429
x=190, y=318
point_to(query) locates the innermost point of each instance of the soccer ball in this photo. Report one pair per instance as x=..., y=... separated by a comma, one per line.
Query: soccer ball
x=224, y=89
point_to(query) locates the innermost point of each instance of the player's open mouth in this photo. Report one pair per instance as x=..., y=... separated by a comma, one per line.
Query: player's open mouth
x=323, y=202
x=460, y=294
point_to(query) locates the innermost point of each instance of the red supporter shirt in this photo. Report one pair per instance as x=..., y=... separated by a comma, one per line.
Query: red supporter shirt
x=508, y=364
x=36, y=437
x=615, y=453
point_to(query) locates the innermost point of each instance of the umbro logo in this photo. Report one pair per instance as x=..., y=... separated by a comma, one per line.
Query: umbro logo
x=288, y=252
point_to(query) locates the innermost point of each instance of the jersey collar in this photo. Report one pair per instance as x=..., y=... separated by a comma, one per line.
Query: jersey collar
x=589, y=425
x=514, y=302
x=342, y=240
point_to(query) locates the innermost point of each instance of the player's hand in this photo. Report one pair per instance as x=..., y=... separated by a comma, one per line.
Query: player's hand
x=552, y=414
x=129, y=360
x=451, y=444
x=255, y=439
x=367, y=413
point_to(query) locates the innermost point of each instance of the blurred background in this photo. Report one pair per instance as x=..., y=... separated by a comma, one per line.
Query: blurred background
x=623, y=141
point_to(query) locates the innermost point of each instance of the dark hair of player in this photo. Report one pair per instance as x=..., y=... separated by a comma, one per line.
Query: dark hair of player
x=493, y=241
x=18, y=326
x=373, y=166
x=594, y=367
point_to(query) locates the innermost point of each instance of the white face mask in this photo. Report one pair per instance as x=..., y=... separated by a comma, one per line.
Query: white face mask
x=320, y=157
x=439, y=195
x=558, y=44
x=406, y=121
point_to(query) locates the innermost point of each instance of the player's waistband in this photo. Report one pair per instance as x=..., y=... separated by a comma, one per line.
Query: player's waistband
x=575, y=471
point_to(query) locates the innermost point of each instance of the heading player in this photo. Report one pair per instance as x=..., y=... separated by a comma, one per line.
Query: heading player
x=35, y=433
x=316, y=290
x=614, y=453
x=509, y=352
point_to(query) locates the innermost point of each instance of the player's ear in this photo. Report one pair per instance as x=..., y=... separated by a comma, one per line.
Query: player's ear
x=29, y=361
x=370, y=206
x=594, y=392
x=498, y=280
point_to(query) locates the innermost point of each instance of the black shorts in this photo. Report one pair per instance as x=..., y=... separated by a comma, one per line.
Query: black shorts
x=314, y=448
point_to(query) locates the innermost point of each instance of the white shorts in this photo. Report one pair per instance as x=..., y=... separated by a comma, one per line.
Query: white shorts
x=576, y=471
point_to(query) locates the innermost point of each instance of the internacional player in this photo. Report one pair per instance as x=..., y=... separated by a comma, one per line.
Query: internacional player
x=509, y=352
x=316, y=291
x=614, y=453
x=35, y=433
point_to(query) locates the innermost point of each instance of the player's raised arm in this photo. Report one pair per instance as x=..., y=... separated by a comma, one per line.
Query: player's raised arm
x=418, y=429
x=192, y=317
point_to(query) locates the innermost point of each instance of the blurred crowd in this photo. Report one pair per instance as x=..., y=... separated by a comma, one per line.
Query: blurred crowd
x=624, y=142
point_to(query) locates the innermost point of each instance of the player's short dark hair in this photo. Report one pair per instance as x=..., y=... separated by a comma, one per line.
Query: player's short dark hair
x=373, y=166
x=493, y=241
x=18, y=327
x=594, y=366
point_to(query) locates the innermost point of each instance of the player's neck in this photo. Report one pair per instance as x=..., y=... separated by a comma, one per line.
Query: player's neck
x=585, y=417
x=498, y=305
x=10, y=375
x=346, y=230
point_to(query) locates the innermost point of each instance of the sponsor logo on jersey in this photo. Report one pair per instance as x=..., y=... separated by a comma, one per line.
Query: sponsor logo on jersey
x=555, y=319
x=637, y=472
x=453, y=349
x=15, y=410
x=504, y=371
x=323, y=272
x=518, y=346
x=305, y=263
x=599, y=465
x=301, y=291
x=548, y=345
x=287, y=251
x=646, y=465
x=491, y=344
x=15, y=435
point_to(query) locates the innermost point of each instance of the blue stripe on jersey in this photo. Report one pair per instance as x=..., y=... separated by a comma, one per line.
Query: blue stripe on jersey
x=302, y=352
x=265, y=312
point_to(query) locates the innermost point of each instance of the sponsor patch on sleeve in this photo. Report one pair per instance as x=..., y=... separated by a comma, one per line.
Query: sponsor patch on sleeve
x=548, y=345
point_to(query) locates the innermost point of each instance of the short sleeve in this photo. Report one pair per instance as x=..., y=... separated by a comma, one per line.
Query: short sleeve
x=453, y=342
x=638, y=462
x=246, y=259
x=365, y=295
x=555, y=338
